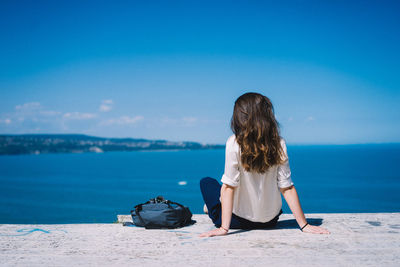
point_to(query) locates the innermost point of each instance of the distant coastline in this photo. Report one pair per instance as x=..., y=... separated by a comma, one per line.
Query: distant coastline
x=79, y=143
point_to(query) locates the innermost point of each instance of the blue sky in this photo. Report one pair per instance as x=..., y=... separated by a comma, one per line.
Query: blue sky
x=173, y=69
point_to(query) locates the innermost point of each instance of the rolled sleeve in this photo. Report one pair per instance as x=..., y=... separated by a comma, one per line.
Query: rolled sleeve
x=232, y=174
x=284, y=173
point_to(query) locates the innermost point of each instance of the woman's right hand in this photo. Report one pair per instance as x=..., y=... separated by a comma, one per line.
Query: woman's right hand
x=312, y=229
x=215, y=232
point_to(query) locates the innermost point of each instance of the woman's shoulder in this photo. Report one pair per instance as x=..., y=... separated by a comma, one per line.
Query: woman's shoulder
x=283, y=145
x=231, y=139
x=231, y=143
x=283, y=142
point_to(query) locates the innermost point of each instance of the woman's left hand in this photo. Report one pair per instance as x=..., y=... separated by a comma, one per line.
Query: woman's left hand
x=312, y=229
x=215, y=232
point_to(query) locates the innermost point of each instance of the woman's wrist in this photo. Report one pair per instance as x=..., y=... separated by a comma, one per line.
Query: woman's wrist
x=304, y=226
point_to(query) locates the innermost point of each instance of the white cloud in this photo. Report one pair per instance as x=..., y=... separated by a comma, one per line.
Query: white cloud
x=6, y=121
x=33, y=109
x=123, y=120
x=184, y=121
x=79, y=116
x=106, y=105
x=29, y=106
x=168, y=120
x=49, y=113
x=108, y=101
x=189, y=119
x=290, y=119
x=310, y=118
x=104, y=108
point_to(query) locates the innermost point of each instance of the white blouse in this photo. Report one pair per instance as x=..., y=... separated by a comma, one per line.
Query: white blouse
x=256, y=196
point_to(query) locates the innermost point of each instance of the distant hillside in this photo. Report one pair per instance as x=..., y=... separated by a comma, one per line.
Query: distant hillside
x=78, y=143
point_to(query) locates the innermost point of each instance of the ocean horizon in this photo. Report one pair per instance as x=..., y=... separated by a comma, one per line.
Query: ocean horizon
x=95, y=187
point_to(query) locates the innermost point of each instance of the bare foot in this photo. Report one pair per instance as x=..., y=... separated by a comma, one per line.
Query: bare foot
x=205, y=209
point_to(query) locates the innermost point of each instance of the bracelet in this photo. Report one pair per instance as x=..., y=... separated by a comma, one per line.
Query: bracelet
x=303, y=227
x=224, y=228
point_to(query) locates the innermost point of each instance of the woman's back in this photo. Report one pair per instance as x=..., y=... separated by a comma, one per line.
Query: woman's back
x=257, y=196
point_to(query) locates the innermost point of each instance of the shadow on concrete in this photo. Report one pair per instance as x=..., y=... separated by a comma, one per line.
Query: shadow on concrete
x=131, y=224
x=191, y=222
x=238, y=231
x=283, y=224
x=292, y=224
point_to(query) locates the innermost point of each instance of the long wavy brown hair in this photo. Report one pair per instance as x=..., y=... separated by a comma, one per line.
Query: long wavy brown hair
x=257, y=132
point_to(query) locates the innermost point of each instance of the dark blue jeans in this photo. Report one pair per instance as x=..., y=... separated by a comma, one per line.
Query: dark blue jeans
x=210, y=189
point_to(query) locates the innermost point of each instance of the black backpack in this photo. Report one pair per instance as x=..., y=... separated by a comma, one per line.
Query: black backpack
x=158, y=213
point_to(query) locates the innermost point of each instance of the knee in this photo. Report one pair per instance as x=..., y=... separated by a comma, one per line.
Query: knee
x=206, y=180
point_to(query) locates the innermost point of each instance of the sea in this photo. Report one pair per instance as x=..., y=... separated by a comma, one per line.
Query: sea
x=95, y=187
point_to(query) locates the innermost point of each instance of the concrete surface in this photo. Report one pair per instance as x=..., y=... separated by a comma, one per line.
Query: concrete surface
x=355, y=240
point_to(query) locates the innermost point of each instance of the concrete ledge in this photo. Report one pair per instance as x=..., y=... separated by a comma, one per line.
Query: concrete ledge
x=357, y=240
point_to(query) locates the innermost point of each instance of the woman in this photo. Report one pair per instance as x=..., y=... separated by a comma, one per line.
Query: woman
x=256, y=172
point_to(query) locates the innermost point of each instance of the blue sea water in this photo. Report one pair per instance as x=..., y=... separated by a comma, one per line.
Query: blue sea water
x=94, y=188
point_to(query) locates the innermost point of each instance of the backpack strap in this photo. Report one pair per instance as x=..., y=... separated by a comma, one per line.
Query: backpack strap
x=137, y=210
x=188, y=214
x=176, y=203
